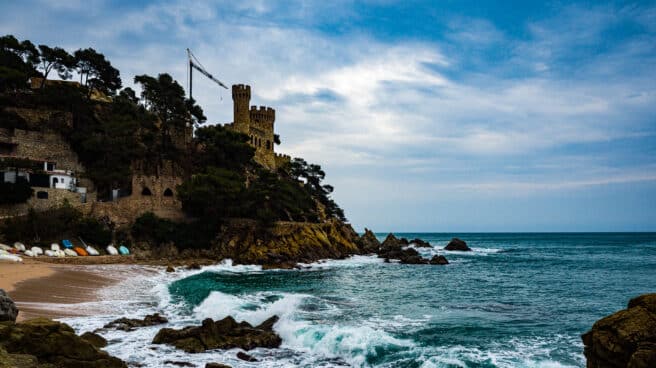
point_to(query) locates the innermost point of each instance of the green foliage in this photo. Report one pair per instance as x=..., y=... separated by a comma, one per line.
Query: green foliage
x=57, y=59
x=222, y=147
x=217, y=193
x=93, y=231
x=51, y=225
x=152, y=229
x=96, y=72
x=157, y=231
x=273, y=198
x=312, y=175
x=17, y=60
x=13, y=193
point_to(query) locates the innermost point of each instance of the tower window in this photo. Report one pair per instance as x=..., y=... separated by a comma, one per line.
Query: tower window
x=268, y=144
x=146, y=192
x=168, y=192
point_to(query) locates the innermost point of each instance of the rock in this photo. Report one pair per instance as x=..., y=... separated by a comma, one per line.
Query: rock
x=193, y=266
x=457, y=244
x=413, y=259
x=129, y=324
x=438, y=260
x=223, y=334
x=624, y=339
x=368, y=242
x=404, y=241
x=420, y=243
x=170, y=269
x=95, y=339
x=245, y=357
x=391, y=242
x=51, y=342
x=216, y=365
x=8, y=309
x=179, y=364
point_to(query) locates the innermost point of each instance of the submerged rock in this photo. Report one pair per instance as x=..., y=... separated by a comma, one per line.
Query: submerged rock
x=216, y=365
x=129, y=324
x=245, y=357
x=170, y=268
x=393, y=248
x=8, y=309
x=624, y=339
x=53, y=343
x=223, y=334
x=457, y=244
x=368, y=242
x=439, y=260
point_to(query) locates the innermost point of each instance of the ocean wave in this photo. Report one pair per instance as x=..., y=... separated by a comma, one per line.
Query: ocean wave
x=353, y=261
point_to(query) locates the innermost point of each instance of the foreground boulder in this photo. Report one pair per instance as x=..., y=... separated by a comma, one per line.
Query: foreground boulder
x=624, y=339
x=54, y=343
x=457, y=244
x=8, y=309
x=393, y=248
x=368, y=242
x=129, y=324
x=439, y=260
x=223, y=334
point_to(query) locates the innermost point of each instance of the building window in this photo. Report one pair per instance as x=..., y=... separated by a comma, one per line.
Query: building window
x=55, y=181
x=168, y=193
x=50, y=166
x=268, y=144
x=42, y=195
x=146, y=192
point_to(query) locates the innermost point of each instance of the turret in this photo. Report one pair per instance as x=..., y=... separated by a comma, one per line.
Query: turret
x=263, y=115
x=241, y=97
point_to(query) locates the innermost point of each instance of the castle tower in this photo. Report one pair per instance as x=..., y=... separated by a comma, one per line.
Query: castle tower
x=241, y=97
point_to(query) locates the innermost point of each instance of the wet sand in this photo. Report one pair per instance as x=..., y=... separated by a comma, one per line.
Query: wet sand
x=42, y=289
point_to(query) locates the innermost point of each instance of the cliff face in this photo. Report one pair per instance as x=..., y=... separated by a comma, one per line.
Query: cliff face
x=286, y=243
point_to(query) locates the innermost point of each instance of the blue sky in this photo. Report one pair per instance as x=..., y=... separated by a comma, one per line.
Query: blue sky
x=427, y=115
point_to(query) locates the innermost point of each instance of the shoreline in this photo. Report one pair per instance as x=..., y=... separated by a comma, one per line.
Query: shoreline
x=56, y=290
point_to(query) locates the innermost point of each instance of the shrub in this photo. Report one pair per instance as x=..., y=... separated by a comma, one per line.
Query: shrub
x=13, y=193
x=93, y=231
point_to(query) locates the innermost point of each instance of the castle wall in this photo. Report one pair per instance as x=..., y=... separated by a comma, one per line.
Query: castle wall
x=56, y=197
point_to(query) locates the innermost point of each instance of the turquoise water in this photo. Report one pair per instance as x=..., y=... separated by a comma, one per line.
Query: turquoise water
x=517, y=300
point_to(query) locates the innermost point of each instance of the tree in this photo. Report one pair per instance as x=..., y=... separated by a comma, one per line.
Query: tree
x=96, y=72
x=312, y=175
x=216, y=194
x=17, y=62
x=129, y=94
x=55, y=59
x=222, y=147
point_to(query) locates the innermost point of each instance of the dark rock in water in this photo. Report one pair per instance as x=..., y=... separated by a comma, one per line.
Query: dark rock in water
x=223, y=334
x=245, y=357
x=170, y=269
x=439, y=260
x=53, y=344
x=95, y=339
x=283, y=265
x=392, y=248
x=179, y=364
x=216, y=365
x=368, y=242
x=457, y=244
x=129, y=324
x=404, y=241
x=391, y=242
x=415, y=259
x=420, y=243
x=193, y=266
x=8, y=309
x=624, y=339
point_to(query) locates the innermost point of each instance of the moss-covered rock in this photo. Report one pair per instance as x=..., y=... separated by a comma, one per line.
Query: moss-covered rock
x=54, y=343
x=624, y=339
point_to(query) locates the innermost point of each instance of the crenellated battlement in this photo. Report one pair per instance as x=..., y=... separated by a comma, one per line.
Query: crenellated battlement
x=262, y=114
x=241, y=91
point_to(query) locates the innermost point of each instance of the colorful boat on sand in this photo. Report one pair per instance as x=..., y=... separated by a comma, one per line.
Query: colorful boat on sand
x=67, y=244
x=123, y=250
x=111, y=250
x=37, y=251
x=70, y=252
x=80, y=251
x=92, y=251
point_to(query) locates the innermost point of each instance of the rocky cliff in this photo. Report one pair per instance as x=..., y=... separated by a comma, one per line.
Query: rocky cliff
x=626, y=338
x=287, y=243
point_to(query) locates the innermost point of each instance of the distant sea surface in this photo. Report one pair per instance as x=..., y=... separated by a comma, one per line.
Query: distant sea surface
x=516, y=300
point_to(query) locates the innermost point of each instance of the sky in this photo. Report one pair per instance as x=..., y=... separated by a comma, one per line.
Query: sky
x=445, y=116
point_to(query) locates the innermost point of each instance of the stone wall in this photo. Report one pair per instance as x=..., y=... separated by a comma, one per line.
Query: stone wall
x=55, y=198
x=47, y=146
x=37, y=119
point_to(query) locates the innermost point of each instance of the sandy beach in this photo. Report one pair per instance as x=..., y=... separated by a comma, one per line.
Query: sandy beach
x=44, y=289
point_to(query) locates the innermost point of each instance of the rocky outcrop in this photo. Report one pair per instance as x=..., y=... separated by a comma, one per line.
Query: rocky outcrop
x=95, y=339
x=216, y=365
x=624, y=339
x=45, y=343
x=390, y=242
x=8, y=309
x=286, y=243
x=457, y=244
x=439, y=260
x=129, y=324
x=420, y=243
x=223, y=334
x=368, y=242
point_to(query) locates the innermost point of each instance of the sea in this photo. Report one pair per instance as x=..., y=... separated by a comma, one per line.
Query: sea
x=516, y=300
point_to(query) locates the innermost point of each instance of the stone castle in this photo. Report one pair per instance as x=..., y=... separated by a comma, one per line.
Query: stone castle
x=151, y=190
x=257, y=123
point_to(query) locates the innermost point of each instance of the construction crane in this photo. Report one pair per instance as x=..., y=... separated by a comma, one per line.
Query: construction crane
x=195, y=64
